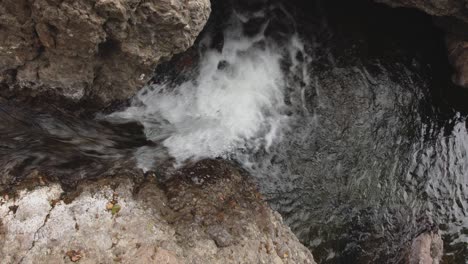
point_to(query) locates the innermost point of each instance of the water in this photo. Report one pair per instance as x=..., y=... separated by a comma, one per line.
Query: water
x=438, y=173
x=336, y=117
x=62, y=146
x=236, y=101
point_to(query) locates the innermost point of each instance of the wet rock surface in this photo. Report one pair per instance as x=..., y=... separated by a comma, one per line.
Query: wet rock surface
x=97, y=50
x=458, y=56
x=427, y=248
x=222, y=220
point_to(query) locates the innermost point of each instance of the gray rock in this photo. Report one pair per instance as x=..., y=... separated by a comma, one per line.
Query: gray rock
x=103, y=50
x=220, y=235
x=84, y=225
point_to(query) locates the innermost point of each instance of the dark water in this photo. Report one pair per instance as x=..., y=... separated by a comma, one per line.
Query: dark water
x=374, y=154
x=61, y=146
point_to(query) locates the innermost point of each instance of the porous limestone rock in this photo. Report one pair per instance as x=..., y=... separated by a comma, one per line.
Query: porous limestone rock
x=208, y=213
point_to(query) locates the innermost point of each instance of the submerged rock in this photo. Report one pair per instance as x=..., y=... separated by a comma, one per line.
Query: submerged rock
x=223, y=220
x=458, y=56
x=427, y=248
x=101, y=50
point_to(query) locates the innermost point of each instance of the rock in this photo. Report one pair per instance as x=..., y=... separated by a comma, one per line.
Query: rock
x=74, y=255
x=427, y=248
x=250, y=5
x=220, y=235
x=435, y=8
x=458, y=57
x=164, y=256
x=221, y=221
x=101, y=50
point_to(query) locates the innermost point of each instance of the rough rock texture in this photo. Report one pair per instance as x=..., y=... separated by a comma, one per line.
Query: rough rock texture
x=436, y=8
x=427, y=248
x=99, y=49
x=208, y=213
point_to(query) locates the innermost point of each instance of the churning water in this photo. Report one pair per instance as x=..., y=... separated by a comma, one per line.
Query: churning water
x=236, y=101
x=343, y=140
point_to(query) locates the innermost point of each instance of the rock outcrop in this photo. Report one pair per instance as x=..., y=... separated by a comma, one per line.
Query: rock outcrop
x=207, y=213
x=100, y=50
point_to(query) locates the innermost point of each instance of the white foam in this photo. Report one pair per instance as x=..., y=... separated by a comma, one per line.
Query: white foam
x=238, y=107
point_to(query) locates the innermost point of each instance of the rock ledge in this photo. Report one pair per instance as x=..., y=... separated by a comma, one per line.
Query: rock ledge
x=221, y=220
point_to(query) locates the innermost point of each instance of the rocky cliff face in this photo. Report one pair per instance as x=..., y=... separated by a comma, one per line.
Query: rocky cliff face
x=208, y=213
x=102, y=50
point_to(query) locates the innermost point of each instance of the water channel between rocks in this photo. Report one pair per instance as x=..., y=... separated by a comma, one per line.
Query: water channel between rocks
x=342, y=120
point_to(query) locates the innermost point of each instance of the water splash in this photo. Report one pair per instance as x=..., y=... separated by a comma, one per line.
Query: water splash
x=236, y=103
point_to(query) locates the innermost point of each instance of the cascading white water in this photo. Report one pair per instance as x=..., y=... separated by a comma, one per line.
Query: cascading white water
x=236, y=102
